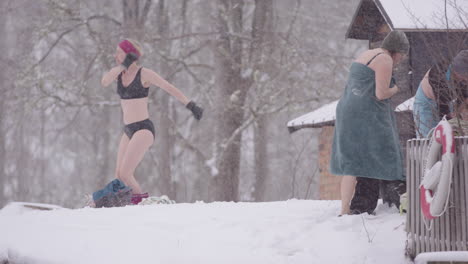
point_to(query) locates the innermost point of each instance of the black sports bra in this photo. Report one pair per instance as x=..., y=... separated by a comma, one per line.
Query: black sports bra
x=134, y=89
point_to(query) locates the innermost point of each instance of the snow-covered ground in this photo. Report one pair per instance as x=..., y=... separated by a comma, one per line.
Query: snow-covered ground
x=294, y=231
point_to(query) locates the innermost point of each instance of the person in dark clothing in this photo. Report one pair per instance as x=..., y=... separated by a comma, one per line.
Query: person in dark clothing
x=444, y=82
x=368, y=191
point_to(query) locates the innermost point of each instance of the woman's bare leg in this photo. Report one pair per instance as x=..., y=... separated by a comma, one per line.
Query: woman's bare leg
x=122, y=149
x=135, y=151
x=348, y=184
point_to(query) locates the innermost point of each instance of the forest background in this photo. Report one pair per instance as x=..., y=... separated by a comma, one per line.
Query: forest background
x=253, y=65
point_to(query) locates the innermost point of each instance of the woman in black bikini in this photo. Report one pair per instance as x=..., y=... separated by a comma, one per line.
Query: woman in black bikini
x=133, y=84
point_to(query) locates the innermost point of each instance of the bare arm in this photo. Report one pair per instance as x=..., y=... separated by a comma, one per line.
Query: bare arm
x=111, y=75
x=383, y=75
x=149, y=76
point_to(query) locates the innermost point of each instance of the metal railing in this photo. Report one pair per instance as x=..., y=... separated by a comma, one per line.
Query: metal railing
x=450, y=231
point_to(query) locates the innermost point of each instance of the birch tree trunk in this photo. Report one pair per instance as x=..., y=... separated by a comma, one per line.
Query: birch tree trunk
x=165, y=129
x=233, y=87
x=3, y=80
x=229, y=100
x=260, y=49
x=261, y=158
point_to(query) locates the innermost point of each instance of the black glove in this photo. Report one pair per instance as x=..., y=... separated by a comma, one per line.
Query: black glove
x=129, y=59
x=196, y=110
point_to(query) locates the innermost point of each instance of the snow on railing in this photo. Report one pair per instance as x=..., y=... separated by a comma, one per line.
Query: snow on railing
x=449, y=256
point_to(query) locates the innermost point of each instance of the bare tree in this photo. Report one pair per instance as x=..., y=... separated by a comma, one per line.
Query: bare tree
x=239, y=57
x=257, y=73
x=166, y=145
x=135, y=13
x=3, y=90
x=262, y=29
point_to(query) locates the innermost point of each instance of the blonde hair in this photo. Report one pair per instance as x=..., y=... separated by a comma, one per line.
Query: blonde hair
x=137, y=45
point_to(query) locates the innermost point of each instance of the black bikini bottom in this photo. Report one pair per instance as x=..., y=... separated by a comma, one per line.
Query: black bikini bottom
x=130, y=129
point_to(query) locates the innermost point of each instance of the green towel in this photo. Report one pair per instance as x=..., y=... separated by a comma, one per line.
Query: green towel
x=365, y=142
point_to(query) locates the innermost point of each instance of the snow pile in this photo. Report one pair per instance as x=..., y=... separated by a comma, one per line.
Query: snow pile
x=294, y=231
x=446, y=256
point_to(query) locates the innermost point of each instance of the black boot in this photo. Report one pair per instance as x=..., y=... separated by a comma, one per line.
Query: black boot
x=391, y=191
x=366, y=196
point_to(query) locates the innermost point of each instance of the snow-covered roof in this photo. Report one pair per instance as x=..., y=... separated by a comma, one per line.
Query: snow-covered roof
x=425, y=14
x=405, y=106
x=322, y=116
x=408, y=15
x=326, y=115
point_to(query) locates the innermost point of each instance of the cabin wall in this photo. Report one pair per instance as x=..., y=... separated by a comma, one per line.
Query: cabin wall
x=329, y=188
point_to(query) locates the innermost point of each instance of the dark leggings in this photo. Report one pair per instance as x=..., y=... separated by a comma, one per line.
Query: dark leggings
x=366, y=194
